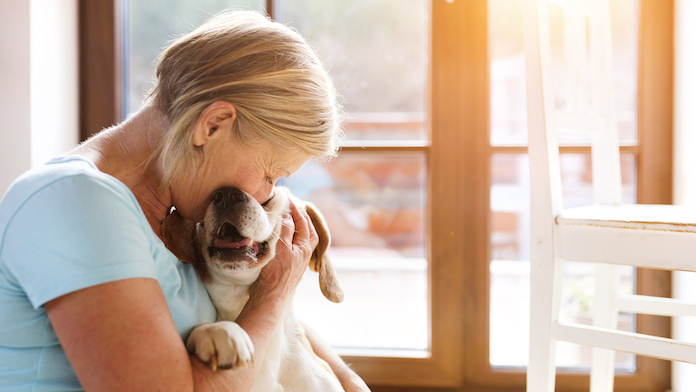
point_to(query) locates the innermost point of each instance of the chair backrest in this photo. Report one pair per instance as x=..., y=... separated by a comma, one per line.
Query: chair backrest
x=589, y=104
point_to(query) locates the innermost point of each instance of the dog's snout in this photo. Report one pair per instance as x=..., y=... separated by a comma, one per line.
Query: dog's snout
x=228, y=196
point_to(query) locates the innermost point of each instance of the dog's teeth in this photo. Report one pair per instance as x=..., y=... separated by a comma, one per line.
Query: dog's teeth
x=251, y=243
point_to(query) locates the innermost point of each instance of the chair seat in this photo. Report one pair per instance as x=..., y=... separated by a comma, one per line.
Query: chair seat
x=632, y=216
x=640, y=235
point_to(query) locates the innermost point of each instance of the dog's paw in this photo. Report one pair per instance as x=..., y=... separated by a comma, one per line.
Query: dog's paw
x=223, y=345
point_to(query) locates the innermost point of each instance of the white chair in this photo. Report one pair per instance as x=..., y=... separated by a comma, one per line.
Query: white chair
x=607, y=233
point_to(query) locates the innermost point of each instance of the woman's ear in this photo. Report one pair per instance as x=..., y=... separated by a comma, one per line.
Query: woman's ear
x=217, y=116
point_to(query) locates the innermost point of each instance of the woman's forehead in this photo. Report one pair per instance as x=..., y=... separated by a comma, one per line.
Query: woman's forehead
x=286, y=161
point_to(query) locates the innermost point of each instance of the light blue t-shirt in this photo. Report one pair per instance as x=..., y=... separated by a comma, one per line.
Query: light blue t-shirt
x=66, y=226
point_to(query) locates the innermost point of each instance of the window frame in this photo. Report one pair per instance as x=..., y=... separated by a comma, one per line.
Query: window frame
x=458, y=159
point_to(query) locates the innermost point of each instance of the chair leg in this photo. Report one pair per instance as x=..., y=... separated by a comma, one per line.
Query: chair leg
x=605, y=316
x=544, y=305
x=541, y=372
x=602, y=372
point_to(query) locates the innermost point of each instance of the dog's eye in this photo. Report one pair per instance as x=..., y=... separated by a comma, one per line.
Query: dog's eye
x=265, y=203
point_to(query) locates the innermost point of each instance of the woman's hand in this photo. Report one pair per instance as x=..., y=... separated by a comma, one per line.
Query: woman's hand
x=298, y=238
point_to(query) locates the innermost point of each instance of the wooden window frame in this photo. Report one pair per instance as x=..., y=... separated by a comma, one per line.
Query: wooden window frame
x=458, y=158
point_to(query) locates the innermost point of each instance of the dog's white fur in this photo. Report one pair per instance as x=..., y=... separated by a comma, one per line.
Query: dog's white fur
x=289, y=364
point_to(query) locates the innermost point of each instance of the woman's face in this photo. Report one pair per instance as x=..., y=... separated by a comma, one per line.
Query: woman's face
x=230, y=162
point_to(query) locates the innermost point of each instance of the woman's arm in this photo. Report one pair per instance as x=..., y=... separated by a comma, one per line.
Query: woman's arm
x=119, y=336
x=350, y=381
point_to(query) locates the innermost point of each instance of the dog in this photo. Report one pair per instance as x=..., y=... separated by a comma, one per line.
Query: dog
x=236, y=239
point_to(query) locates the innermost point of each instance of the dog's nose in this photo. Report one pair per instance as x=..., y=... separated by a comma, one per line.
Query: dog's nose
x=230, y=195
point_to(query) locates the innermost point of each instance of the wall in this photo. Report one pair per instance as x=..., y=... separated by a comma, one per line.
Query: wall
x=15, y=122
x=38, y=83
x=54, y=78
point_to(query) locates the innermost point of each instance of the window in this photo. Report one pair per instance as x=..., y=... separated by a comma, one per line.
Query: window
x=510, y=215
x=430, y=186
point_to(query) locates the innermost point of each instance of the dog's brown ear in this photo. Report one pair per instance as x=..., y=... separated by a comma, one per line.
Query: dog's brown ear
x=320, y=262
x=177, y=235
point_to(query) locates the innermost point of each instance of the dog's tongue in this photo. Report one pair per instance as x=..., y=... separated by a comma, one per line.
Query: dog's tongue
x=221, y=243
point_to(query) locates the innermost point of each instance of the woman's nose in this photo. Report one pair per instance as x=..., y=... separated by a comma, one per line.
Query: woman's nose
x=264, y=193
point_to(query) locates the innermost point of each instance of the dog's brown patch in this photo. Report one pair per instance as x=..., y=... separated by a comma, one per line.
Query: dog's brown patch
x=178, y=235
x=320, y=263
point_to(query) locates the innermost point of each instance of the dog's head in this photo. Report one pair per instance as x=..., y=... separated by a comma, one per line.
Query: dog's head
x=238, y=237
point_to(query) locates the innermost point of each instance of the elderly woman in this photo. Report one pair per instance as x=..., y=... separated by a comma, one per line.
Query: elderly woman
x=89, y=296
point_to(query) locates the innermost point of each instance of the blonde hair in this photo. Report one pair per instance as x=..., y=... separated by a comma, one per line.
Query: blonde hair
x=281, y=91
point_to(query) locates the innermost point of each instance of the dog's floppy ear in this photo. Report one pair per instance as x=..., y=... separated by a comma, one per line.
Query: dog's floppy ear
x=177, y=235
x=320, y=261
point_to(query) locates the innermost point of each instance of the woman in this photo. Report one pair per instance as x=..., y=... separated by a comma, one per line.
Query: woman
x=89, y=297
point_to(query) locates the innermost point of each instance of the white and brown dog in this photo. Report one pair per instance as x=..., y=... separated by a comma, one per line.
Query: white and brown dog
x=229, y=248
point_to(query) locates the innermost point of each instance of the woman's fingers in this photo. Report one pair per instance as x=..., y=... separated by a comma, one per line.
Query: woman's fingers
x=297, y=240
x=287, y=231
x=301, y=229
x=313, y=236
x=305, y=233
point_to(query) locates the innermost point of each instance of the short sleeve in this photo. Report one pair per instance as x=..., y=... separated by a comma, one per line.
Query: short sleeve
x=76, y=232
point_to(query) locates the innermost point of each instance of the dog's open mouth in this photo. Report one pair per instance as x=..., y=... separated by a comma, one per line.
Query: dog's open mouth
x=228, y=241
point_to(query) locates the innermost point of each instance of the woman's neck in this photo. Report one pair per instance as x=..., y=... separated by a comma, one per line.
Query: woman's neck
x=129, y=152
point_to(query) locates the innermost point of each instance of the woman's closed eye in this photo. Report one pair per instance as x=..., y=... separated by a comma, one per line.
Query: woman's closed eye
x=265, y=203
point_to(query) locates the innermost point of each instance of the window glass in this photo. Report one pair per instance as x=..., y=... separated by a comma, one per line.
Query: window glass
x=376, y=52
x=374, y=205
x=149, y=25
x=507, y=78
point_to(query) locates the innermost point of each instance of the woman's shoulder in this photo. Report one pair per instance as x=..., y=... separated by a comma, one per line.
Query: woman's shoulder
x=68, y=193
x=73, y=168
x=71, y=178
x=78, y=226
